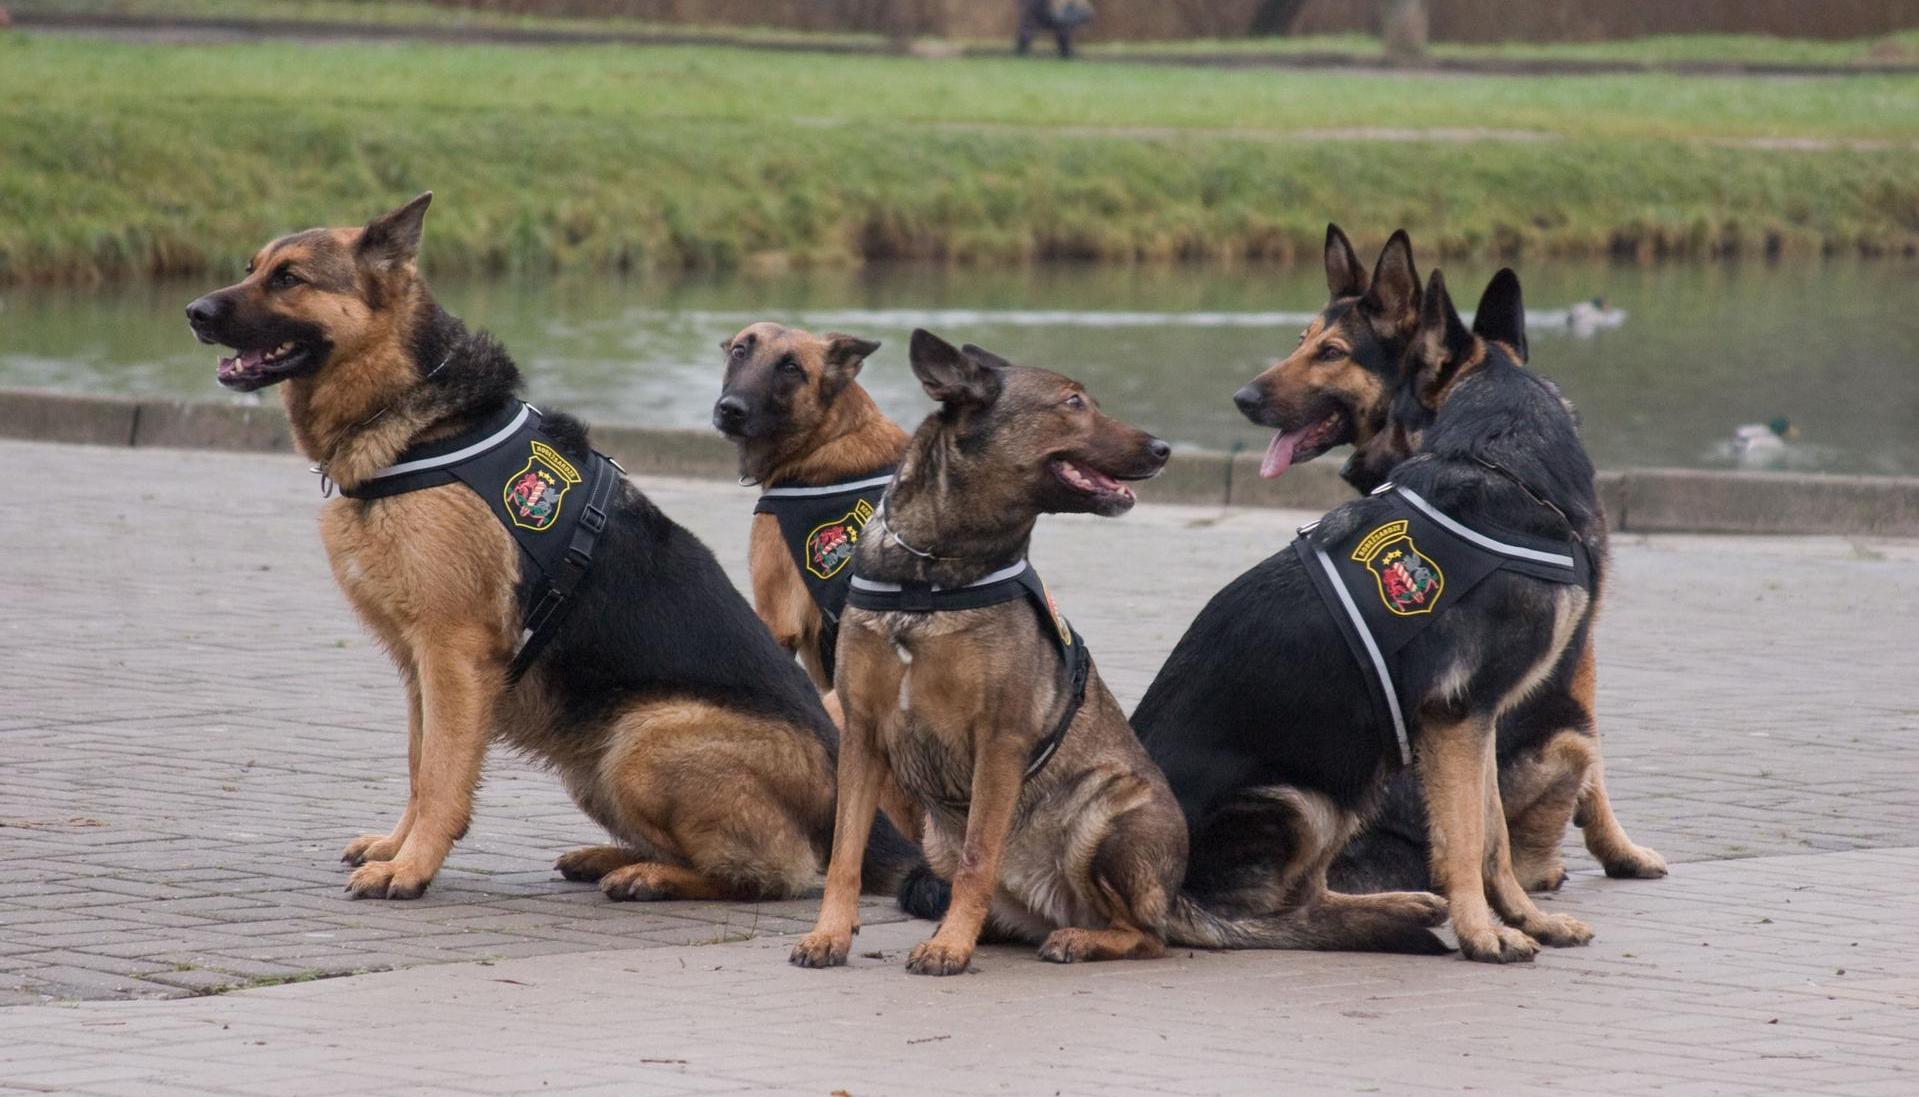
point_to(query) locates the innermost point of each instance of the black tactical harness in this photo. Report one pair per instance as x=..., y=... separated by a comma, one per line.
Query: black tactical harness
x=1386, y=581
x=821, y=525
x=1005, y=585
x=512, y=464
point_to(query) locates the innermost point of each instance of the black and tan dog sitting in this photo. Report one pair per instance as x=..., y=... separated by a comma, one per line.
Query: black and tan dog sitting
x=961, y=680
x=1407, y=624
x=822, y=453
x=529, y=593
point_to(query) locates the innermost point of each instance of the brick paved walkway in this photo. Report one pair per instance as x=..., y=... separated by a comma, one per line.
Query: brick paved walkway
x=193, y=725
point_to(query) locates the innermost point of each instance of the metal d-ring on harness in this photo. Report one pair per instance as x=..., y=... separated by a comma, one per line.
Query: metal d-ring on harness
x=514, y=466
x=1008, y=584
x=1390, y=576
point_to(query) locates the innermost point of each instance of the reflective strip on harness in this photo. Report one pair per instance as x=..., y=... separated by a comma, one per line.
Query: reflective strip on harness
x=401, y=468
x=1372, y=651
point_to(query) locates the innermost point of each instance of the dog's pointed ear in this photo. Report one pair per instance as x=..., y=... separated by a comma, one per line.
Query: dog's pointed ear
x=1344, y=276
x=1441, y=346
x=392, y=240
x=845, y=354
x=1392, y=300
x=950, y=376
x=1501, y=316
x=985, y=357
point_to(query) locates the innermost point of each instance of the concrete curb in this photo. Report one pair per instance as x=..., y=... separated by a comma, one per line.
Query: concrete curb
x=1637, y=500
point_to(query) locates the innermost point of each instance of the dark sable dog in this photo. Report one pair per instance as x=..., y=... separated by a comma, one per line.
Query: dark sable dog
x=793, y=405
x=1339, y=387
x=1267, y=724
x=1550, y=769
x=671, y=716
x=1041, y=807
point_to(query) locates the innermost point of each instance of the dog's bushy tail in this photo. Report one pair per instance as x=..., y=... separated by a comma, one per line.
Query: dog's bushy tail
x=1345, y=930
x=923, y=894
x=891, y=861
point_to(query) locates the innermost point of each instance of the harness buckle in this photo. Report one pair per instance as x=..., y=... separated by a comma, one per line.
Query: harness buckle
x=593, y=518
x=916, y=597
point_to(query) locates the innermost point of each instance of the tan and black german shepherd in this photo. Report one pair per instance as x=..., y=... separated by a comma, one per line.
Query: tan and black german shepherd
x=1338, y=388
x=793, y=405
x=1073, y=839
x=666, y=709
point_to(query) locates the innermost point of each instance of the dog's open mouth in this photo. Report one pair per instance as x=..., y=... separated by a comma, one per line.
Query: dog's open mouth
x=252, y=369
x=1306, y=443
x=1089, y=481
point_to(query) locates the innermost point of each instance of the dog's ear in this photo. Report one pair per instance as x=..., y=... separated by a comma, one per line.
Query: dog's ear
x=985, y=357
x=846, y=353
x=1392, y=300
x=949, y=375
x=1441, y=346
x=1344, y=276
x=1501, y=316
x=393, y=240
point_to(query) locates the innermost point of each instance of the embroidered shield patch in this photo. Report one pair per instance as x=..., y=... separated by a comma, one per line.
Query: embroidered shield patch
x=533, y=495
x=1409, y=581
x=830, y=546
x=1059, y=619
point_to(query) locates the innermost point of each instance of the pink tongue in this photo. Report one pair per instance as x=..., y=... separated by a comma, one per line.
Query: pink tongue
x=1279, y=455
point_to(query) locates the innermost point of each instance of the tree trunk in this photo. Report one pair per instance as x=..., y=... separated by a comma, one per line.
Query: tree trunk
x=1403, y=26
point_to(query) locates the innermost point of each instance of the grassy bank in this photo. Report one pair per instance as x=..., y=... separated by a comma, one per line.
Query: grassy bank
x=121, y=159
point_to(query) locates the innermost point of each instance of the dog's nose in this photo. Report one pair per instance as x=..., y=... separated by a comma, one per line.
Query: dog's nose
x=1160, y=450
x=203, y=312
x=1248, y=399
x=730, y=409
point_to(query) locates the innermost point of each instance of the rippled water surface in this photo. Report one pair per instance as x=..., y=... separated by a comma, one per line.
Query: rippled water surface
x=1700, y=350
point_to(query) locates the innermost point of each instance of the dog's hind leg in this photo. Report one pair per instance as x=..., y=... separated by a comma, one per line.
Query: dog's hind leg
x=1134, y=873
x=1539, y=791
x=382, y=847
x=589, y=863
x=1502, y=886
x=461, y=676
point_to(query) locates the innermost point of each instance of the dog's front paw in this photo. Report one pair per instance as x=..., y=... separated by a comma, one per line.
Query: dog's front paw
x=1558, y=930
x=370, y=847
x=821, y=948
x=387, y=880
x=1636, y=863
x=933, y=957
x=1497, y=945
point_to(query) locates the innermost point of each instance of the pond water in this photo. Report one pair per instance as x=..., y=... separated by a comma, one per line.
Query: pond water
x=1698, y=351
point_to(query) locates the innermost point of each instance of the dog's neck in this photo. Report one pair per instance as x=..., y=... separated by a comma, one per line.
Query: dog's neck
x=359, y=413
x=936, y=528
x=852, y=438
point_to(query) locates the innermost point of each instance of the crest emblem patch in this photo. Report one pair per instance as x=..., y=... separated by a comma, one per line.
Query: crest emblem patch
x=1409, y=582
x=1059, y=619
x=829, y=547
x=533, y=495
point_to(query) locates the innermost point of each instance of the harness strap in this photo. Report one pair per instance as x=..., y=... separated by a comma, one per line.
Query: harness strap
x=540, y=624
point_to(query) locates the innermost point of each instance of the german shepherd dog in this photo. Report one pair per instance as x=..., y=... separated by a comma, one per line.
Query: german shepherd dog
x=1339, y=387
x=793, y=405
x=1083, y=851
x=1264, y=721
x=671, y=716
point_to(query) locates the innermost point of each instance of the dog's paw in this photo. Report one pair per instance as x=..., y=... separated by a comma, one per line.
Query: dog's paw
x=934, y=957
x=590, y=863
x=1545, y=878
x=821, y=948
x=634, y=884
x=387, y=880
x=1068, y=946
x=1558, y=930
x=1636, y=863
x=1498, y=945
x=1419, y=907
x=370, y=847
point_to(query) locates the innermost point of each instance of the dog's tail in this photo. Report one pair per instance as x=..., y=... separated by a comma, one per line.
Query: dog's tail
x=1346, y=929
x=892, y=860
x=923, y=894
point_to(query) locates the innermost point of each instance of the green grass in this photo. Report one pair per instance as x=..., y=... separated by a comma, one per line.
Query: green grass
x=120, y=159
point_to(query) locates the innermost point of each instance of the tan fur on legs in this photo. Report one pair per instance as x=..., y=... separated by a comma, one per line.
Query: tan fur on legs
x=902, y=810
x=461, y=672
x=1452, y=772
x=382, y=847
x=781, y=599
x=1539, y=793
x=589, y=863
x=730, y=799
x=871, y=694
x=1502, y=887
x=999, y=769
x=1605, y=838
x=1072, y=945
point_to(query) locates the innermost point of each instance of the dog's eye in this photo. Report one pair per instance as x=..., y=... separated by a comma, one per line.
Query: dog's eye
x=286, y=279
x=1331, y=352
x=739, y=351
x=1076, y=402
x=790, y=365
